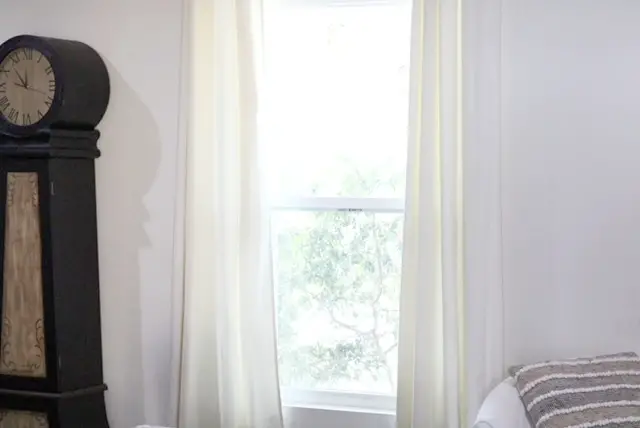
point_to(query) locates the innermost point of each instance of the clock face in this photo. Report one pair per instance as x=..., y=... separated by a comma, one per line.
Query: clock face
x=27, y=86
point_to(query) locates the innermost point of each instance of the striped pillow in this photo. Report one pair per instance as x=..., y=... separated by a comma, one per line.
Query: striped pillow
x=601, y=392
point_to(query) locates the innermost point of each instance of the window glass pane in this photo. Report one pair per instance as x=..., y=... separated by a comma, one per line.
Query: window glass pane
x=338, y=279
x=337, y=91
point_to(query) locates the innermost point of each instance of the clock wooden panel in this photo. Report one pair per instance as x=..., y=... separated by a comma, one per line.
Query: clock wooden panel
x=22, y=339
x=18, y=419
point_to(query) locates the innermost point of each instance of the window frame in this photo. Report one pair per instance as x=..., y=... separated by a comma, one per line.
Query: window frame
x=321, y=407
x=338, y=203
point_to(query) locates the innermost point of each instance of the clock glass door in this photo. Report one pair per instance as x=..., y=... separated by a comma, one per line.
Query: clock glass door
x=27, y=86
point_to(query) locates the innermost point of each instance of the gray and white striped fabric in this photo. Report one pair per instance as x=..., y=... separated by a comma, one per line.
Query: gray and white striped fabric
x=602, y=392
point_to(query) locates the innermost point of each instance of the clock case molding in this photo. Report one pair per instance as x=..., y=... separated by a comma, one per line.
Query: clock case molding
x=58, y=157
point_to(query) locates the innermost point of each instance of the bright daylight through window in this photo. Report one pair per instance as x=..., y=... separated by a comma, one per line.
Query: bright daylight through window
x=335, y=126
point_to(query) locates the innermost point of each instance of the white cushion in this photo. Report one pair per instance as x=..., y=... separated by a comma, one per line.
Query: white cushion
x=502, y=408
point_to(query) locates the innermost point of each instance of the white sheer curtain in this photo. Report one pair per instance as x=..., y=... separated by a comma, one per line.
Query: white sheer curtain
x=228, y=376
x=446, y=292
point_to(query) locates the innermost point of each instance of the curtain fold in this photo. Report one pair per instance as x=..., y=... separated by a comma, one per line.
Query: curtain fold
x=431, y=378
x=228, y=376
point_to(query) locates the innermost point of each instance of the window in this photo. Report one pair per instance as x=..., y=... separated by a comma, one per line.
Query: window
x=336, y=128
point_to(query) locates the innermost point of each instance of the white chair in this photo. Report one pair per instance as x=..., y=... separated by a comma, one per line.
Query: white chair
x=502, y=408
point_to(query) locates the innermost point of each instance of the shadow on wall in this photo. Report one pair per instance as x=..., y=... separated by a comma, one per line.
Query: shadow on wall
x=130, y=146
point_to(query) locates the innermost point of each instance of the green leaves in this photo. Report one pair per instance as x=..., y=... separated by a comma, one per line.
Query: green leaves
x=338, y=277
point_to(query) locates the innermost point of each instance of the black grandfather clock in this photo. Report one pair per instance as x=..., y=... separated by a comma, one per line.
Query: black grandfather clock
x=53, y=93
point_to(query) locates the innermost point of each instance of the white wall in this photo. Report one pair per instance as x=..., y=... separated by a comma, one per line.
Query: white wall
x=140, y=40
x=571, y=177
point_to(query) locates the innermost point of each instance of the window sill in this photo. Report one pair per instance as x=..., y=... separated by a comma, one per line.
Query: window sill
x=333, y=409
x=338, y=400
x=321, y=417
x=348, y=409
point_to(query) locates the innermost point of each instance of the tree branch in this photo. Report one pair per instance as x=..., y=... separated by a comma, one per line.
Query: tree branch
x=390, y=348
x=343, y=324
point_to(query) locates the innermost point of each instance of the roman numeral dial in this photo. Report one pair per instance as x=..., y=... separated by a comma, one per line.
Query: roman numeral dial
x=27, y=86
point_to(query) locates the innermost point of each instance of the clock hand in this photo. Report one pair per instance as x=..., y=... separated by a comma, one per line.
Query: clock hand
x=26, y=79
x=29, y=88
x=24, y=84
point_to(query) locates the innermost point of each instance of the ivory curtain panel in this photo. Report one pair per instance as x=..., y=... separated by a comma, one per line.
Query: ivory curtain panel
x=450, y=347
x=228, y=376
